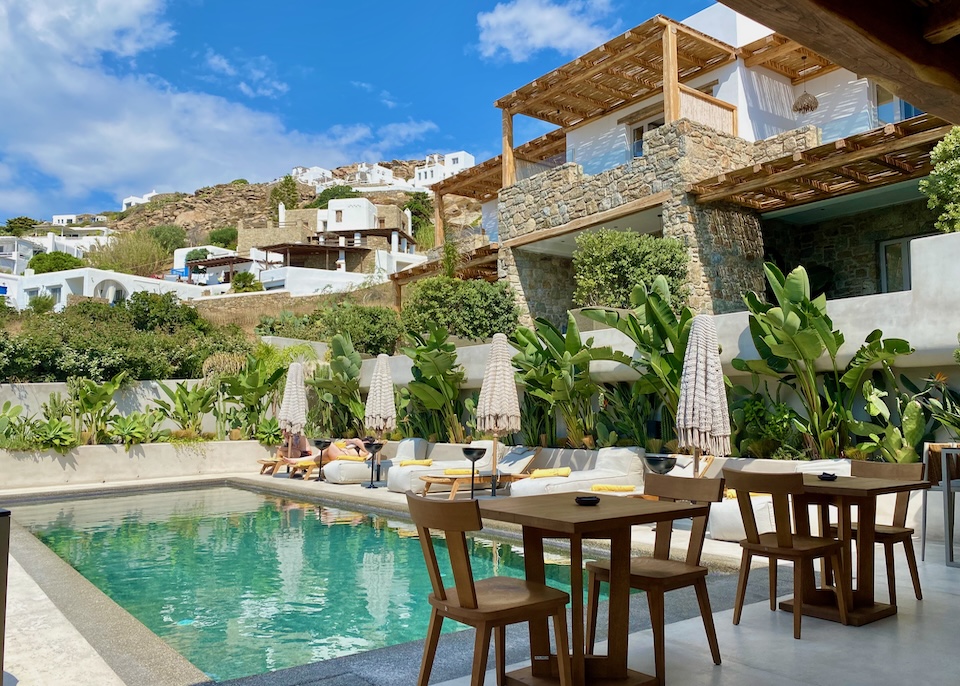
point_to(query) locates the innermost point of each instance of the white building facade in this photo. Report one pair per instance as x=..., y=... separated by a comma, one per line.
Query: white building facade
x=440, y=167
x=132, y=200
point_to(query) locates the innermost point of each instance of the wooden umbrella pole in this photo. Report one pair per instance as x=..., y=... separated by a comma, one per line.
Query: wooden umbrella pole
x=696, y=462
x=493, y=476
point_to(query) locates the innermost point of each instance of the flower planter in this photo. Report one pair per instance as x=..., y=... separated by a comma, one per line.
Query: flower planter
x=94, y=464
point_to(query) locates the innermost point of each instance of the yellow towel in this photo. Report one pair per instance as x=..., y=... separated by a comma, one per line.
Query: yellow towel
x=542, y=473
x=418, y=463
x=456, y=472
x=612, y=488
x=351, y=458
x=340, y=444
x=302, y=464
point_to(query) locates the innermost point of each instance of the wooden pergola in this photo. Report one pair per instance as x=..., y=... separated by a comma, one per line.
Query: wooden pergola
x=482, y=181
x=910, y=47
x=883, y=156
x=787, y=58
x=479, y=263
x=657, y=56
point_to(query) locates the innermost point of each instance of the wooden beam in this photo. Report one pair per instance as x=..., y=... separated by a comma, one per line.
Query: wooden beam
x=943, y=22
x=671, y=76
x=509, y=164
x=595, y=219
x=438, y=228
x=864, y=153
x=770, y=54
x=878, y=39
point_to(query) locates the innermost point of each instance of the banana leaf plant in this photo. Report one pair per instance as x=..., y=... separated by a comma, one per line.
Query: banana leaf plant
x=660, y=336
x=893, y=443
x=624, y=411
x=250, y=390
x=338, y=389
x=94, y=404
x=187, y=406
x=555, y=367
x=792, y=336
x=437, y=378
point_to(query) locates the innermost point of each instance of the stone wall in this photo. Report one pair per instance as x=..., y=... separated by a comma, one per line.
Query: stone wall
x=725, y=242
x=253, y=235
x=845, y=252
x=543, y=284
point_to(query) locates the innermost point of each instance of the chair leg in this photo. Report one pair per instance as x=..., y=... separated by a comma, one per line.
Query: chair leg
x=844, y=593
x=563, y=648
x=430, y=647
x=500, y=651
x=480, y=649
x=700, y=586
x=923, y=526
x=593, y=600
x=797, y=596
x=891, y=572
x=657, y=620
x=912, y=566
x=742, y=585
x=773, y=584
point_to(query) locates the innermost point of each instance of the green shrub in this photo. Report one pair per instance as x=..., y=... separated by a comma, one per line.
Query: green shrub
x=469, y=309
x=55, y=261
x=136, y=252
x=609, y=264
x=245, y=282
x=942, y=187
x=197, y=254
x=41, y=304
x=284, y=192
x=170, y=236
x=225, y=237
x=373, y=330
x=239, y=182
x=17, y=226
x=333, y=193
x=162, y=312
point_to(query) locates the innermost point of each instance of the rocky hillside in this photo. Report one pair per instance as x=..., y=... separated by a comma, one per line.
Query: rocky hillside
x=214, y=207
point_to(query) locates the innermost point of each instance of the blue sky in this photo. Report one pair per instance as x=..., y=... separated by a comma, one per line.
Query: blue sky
x=100, y=99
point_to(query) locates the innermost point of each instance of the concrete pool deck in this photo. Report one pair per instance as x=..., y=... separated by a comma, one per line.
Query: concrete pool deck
x=59, y=631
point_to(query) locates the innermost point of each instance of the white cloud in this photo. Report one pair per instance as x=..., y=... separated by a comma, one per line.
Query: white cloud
x=219, y=64
x=519, y=28
x=387, y=99
x=254, y=76
x=84, y=130
x=362, y=85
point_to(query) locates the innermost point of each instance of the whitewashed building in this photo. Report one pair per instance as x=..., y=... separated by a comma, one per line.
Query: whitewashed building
x=440, y=167
x=132, y=200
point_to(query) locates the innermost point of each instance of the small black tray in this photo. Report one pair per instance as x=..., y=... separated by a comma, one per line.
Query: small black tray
x=587, y=500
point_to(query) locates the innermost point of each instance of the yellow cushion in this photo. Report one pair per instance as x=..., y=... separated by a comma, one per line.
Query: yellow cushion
x=351, y=458
x=340, y=444
x=619, y=488
x=542, y=473
x=457, y=472
x=419, y=463
x=303, y=464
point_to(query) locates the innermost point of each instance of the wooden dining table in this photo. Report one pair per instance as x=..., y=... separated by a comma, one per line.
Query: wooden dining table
x=847, y=492
x=557, y=515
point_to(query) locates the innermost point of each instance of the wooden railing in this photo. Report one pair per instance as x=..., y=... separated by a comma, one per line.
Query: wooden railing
x=708, y=110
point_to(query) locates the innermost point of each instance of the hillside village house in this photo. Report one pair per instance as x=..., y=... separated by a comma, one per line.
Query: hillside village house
x=687, y=129
x=440, y=167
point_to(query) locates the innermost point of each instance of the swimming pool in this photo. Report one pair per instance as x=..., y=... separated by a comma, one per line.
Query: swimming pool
x=242, y=583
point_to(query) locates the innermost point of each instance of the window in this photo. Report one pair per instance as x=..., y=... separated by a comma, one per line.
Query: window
x=455, y=160
x=55, y=293
x=895, y=265
x=339, y=216
x=638, y=134
x=382, y=223
x=890, y=108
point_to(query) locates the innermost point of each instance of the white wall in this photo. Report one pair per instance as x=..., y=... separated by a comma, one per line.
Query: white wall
x=846, y=105
x=64, y=219
x=304, y=281
x=180, y=254
x=724, y=24
x=357, y=214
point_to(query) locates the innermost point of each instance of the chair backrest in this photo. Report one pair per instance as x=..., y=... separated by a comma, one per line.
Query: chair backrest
x=779, y=486
x=931, y=458
x=912, y=471
x=673, y=488
x=454, y=518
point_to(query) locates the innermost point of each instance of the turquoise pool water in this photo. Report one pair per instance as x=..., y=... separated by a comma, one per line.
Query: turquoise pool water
x=242, y=583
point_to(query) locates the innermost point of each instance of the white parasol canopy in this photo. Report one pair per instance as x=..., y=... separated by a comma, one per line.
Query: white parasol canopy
x=498, y=408
x=703, y=420
x=381, y=409
x=292, y=416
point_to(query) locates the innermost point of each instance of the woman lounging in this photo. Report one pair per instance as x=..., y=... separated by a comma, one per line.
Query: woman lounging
x=347, y=447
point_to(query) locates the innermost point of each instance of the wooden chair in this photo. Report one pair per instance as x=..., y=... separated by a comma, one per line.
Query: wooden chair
x=897, y=532
x=488, y=605
x=782, y=544
x=932, y=468
x=658, y=574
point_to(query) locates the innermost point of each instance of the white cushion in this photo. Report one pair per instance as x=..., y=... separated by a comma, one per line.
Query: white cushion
x=577, y=481
x=411, y=449
x=403, y=479
x=626, y=460
x=726, y=524
x=350, y=472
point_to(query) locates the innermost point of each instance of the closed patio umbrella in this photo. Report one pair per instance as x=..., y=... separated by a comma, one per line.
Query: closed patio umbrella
x=380, y=413
x=292, y=415
x=703, y=420
x=498, y=408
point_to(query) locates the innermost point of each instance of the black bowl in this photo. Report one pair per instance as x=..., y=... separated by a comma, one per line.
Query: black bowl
x=587, y=500
x=660, y=464
x=474, y=454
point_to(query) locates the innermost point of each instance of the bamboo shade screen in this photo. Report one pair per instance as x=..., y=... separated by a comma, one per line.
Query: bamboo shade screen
x=695, y=107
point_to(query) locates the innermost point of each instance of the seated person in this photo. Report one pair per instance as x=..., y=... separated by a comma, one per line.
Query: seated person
x=348, y=446
x=294, y=447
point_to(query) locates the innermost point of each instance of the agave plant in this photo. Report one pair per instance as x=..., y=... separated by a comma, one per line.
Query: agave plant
x=137, y=427
x=55, y=434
